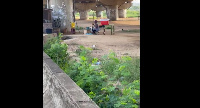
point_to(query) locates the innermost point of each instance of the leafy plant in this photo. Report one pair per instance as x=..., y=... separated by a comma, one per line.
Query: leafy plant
x=79, y=28
x=115, y=83
x=57, y=51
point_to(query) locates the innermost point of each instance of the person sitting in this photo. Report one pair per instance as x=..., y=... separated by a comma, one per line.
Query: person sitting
x=92, y=27
x=95, y=27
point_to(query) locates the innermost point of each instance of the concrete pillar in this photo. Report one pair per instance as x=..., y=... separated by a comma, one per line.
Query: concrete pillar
x=112, y=12
x=69, y=13
x=84, y=15
x=98, y=13
x=107, y=12
x=65, y=13
x=122, y=13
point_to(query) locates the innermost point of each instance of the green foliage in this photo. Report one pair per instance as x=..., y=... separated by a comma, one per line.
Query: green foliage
x=57, y=51
x=99, y=83
x=130, y=96
x=83, y=51
x=91, y=17
x=104, y=13
x=79, y=28
x=134, y=8
x=91, y=13
x=125, y=68
x=131, y=13
x=115, y=83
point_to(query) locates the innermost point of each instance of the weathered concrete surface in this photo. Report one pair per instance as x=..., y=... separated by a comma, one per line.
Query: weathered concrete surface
x=47, y=25
x=48, y=36
x=113, y=2
x=98, y=13
x=59, y=91
x=84, y=15
x=112, y=12
x=99, y=8
x=122, y=13
x=63, y=9
x=125, y=6
x=84, y=6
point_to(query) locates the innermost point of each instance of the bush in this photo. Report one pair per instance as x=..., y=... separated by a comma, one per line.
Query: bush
x=115, y=83
x=57, y=51
x=79, y=28
x=124, y=68
x=99, y=83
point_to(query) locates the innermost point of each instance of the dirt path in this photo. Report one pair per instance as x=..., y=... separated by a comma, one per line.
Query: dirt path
x=122, y=43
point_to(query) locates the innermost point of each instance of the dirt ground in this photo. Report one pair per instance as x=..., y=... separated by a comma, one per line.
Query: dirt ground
x=122, y=42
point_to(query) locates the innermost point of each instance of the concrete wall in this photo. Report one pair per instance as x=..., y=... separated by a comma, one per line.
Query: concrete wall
x=46, y=37
x=60, y=91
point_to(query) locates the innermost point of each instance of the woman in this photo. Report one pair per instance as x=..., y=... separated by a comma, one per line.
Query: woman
x=95, y=27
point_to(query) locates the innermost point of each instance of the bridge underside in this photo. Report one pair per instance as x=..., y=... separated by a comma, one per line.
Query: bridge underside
x=65, y=9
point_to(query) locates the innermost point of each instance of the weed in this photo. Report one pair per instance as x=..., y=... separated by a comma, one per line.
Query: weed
x=98, y=81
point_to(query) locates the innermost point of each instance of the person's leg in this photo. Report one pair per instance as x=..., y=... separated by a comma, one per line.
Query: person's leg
x=94, y=31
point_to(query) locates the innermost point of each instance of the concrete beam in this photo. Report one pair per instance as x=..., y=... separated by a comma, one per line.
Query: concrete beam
x=84, y=6
x=98, y=8
x=85, y=1
x=125, y=6
x=112, y=2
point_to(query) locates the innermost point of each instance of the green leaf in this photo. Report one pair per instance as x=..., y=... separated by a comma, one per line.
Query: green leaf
x=121, y=68
x=137, y=92
x=123, y=103
x=134, y=106
x=83, y=58
x=111, y=89
x=104, y=89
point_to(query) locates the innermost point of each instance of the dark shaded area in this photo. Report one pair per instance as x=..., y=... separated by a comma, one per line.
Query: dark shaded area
x=66, y=38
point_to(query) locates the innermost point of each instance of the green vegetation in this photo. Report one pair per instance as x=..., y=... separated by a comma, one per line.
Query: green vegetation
x=91, y=13
x=115, y=83
x=134, y=8
x=77, y=14
x=91, y=17
x=104, y=14
x=131, y=13
x=57, y=52
x=79, y=28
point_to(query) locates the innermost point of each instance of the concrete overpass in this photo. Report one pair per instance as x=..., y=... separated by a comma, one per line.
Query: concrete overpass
x=111, y=7
x=65, y=9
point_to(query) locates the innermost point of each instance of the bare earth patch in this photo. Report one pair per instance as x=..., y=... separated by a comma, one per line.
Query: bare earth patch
x=122, y=43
